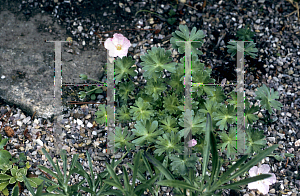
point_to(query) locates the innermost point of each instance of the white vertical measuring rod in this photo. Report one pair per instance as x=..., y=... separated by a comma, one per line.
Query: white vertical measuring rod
x=57, y=95
x=110, y=108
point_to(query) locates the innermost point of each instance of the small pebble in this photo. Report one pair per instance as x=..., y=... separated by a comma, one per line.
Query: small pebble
x=127, y=9
x=94, y=133
x=89, y=125
x=79, y=122
x=80, y=28
x=39, y=142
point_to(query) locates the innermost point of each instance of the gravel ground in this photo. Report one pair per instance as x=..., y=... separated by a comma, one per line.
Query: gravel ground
x=277, y=65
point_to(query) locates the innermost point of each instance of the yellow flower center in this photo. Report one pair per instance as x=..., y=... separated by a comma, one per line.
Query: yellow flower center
x=119, y=47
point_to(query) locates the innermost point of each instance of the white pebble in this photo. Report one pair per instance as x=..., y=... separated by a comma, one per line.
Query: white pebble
x=271, y=139
x=36, y=121
x=80, y=28
x=26, y=120
x=94, y=133
x=96, y=144
x=22, y=116
x=37, y=172
x=127, y=9
x=3, y=76
x=19, y=123
x=281, y=186
x=297, y=143
x=39, y=142
x=281, y=135
x=89, y=124
x=79, y=122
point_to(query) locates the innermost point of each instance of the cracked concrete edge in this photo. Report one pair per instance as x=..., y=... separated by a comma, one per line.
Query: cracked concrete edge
x=28, y=108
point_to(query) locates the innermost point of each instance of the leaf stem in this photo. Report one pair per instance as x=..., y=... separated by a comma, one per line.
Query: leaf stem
x=149, y=147
x=93, y=89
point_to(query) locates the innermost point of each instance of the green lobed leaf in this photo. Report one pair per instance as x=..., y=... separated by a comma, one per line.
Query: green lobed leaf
x=185, y=35
x=5, y=156
x=229, y=141
x=155, y=89
x=225, y=115
x=182, y=164
x=122, y=138
x=125, y=89
x=167, y=143
x=102, y=113
x=249, y=49
x=169, y=124
x=245, y=34
x=143, y=110
x=146, y=132
x=123, y=114
x=155, y=62
x=250, y=117
x=267, y=98
x=123, y=68
x=171, y=103
x=255, y=140
x=190, y=122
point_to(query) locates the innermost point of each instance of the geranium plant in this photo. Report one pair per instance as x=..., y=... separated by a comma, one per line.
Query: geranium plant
x=155, y=105
x=243, y=34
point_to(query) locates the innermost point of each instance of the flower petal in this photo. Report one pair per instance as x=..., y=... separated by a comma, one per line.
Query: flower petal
x=264, y=188
x=192, y=143
x=126, y=43
x=264, y=169
x=271, y=180
x=253, y=185
x=108, y=44
x=121, y=53
x=253, y=171
x=118, y=39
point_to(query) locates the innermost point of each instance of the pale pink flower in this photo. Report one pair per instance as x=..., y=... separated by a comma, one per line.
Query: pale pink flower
x=262, y=185
x=117, y=46
x=192, y=143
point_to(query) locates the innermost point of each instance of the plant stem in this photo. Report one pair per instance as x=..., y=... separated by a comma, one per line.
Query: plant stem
x=148, y=11
x=149, y=147
x=96, y=80
x=124, y=155
x=94, y=89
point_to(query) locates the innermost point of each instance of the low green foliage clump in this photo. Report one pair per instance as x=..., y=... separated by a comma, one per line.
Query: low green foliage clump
x=10, y=173
x=243, y=34
x=155, y=105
